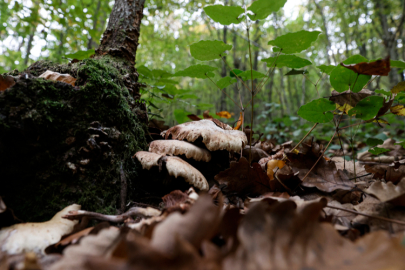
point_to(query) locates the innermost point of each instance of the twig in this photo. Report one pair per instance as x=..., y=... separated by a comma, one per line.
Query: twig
x=306, y=135
x=360, y=176
x=366, y=215
x=134, y=211
x=223, y=91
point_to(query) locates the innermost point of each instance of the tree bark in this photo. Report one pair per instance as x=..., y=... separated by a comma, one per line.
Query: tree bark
x=123, y=30
x=62, y=144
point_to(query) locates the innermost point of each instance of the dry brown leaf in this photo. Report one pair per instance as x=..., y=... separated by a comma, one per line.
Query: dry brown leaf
x=100, y=245
x=35, y=237
x=277, y=237
x=198, y=224
x=325, y=176
x=348, y=97
x=243, y=179
x=388, y=192
x=55, y=76
x=394, y=172
x=372, y=206
x=6, y=82
x=380, y=67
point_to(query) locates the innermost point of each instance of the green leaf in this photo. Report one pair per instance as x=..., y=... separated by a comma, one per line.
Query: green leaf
x=206, y=50
x=80, y=55
x=160, y=73
x=224, y=15
x=373, y=142
x=247, y=75
x=196, y=71
x=181, y=116
x=397, y=64
x=290, y=61
x=326, y=69
x=342, y=78
x=295, y=42
x=226, y=81
x=263, y=8
x=386, y=93
x=377, y=150
x=144, y=71
x=204, y=106
x=235, y=71
x=317, y=111
x=296, y=72
x=368, y=107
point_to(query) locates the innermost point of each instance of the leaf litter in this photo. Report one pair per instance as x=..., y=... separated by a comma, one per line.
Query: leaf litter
x=271, y=213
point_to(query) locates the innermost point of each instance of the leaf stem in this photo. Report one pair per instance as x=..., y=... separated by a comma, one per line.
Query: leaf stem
x=223, y=91
x=306, y=135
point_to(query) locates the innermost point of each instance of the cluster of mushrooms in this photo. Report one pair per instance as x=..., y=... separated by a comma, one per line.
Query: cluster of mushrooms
x=215, y=136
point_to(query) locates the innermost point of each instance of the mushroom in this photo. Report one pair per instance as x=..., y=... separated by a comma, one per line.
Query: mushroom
x=174, y=147
x=213, y=136
x=175, y=167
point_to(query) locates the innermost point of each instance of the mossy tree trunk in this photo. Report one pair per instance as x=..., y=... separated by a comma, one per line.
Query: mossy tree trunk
x=63, y=144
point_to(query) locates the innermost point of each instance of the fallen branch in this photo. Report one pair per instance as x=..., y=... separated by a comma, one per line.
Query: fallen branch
x=134, y=211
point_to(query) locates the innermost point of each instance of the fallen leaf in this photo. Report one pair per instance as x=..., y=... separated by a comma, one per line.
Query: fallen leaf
x=394, y=172
x=35, y=237
x=243, y=179
x=239, y=122
x=224, y=114
x=380, y=67
x=198, y=224
x=55, y=76
x=325, y=176
x=277, y=236
x=6, y=82
x=388, y=192
x=101, y=245
x=194, y=117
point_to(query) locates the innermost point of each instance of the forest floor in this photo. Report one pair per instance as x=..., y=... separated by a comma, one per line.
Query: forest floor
x=289, y=208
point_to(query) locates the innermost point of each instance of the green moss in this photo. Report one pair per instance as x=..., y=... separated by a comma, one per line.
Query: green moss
x=49, y=129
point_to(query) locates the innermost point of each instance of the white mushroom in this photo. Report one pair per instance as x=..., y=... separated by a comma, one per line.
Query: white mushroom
x=214, y=137
x=148, y=159
x=174, y=147
x=175, y=166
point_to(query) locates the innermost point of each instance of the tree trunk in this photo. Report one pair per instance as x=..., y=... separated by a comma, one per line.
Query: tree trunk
x=62, y=144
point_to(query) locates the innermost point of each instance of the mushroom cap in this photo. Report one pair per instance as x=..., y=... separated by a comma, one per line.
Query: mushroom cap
x=174, y=147
x=214, y=137
x=175, y=166
x=178, y=167
x=148, y=159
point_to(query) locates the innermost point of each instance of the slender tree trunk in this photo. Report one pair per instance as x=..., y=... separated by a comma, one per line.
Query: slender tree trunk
x=329, y=46
x=91, y=42
x=222, y=103
x=29, y=46
x=123, y=30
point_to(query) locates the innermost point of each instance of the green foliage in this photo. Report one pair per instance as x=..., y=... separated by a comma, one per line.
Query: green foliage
x=374, y=141
x=80, y=55
x=226, y=81
x=263, y=8
x=367, y=108
x=290, y=61
x=326, y=69
x=343, y=79
x=247, y=75
x=397, y=63
x=317, y=111
x=206, y=50
x=294, y=42
x=197, y=71
x=378, y=151
x=224, y=15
